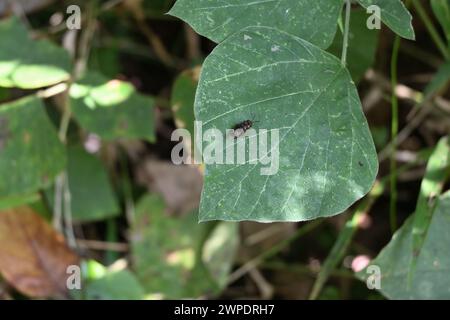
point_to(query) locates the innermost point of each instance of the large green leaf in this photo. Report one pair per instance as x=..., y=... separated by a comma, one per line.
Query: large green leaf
x=430, y=279
x=327, y=158
x=30, y=152
x=395, y=15
x=362, y=45
x=167, y=252
x=27, y=63
x=112, y=108
x=314, y=21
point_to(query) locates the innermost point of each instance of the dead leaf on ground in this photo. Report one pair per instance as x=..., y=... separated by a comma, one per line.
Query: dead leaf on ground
x=33, y=256
x=180, y=186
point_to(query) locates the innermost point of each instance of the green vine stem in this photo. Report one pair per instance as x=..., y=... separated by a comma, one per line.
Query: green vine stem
x=394, y=133
x=348, y=6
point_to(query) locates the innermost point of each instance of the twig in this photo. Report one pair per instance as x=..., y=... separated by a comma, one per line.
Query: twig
x=305, y=270
x=264, y=287
x=103, y=246
x=154, y=41
x=52, y=91
x=68, y=213
x=405, y=132
x=62, y=204
x=272, y=251
x=344, y=240
x=57, y=203
x=193, y=43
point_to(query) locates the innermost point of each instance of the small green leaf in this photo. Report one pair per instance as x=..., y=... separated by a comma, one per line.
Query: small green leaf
x=327, y=157
x=91, y=192
x=395, y=15
x=362, y=46
x=441, y=9
x=439, y=81
x=16, y=201
x=220, y=250
x=115, y=285
x=27, y=63
x=314, y=21
x=31, y=154
x=435, y=176
x=430, y=279
x=112, y=109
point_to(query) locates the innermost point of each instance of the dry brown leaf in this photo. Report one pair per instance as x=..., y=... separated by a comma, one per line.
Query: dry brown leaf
x=33, y=256
x=180, y=186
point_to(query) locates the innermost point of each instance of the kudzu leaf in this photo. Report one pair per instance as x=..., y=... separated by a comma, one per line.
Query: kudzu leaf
x=314, y=21
x=112, y=108
x=327, y=158
x=27, y=63
x=31, y=154
x=394, y=14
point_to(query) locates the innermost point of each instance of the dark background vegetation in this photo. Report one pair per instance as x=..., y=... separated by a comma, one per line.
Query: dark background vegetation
x=135, y=41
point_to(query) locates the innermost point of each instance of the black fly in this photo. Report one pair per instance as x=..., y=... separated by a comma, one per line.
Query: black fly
x=241, y=128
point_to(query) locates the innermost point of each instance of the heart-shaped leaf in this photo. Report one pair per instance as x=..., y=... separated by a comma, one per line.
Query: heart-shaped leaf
x=327, y=158
x=218, y=19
